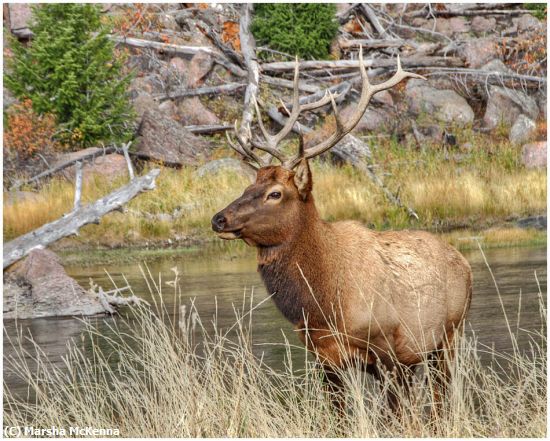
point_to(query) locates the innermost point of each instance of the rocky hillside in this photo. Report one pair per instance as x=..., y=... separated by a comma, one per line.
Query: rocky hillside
x=485, y=66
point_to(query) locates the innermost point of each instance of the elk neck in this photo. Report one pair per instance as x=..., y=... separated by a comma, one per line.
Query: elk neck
x=286, y=267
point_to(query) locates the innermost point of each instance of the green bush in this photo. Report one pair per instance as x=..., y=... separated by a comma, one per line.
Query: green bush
x=303, y=29
x=537, y=9
x=70, y=70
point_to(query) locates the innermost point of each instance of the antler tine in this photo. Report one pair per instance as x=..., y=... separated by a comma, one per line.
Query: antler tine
x=243, y=149
x=343, y=128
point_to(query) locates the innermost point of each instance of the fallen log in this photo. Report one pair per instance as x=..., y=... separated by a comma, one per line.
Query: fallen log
x=248, y=49
x=406, y=62
x=373, y=44
x=209, y=128
x=72, y=222
x=64, y=165
x=468, y=13
x=213, y=90
x=226, y=50
x=176, y=49
x=281, y=82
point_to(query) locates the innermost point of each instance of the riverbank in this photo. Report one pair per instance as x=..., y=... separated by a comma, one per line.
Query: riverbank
x=457, y=194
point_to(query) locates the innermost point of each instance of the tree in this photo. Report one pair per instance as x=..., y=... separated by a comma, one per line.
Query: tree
x=70, y=70
x=303, y=29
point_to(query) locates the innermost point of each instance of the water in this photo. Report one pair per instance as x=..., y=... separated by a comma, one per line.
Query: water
x=219, y=285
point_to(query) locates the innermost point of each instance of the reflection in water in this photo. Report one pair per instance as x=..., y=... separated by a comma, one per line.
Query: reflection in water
x=218, y=287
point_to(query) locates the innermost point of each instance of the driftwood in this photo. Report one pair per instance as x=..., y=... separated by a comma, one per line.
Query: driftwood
x=374, y=44
x=281, y=82
x=72, y=222
x=78, y=186
x=371, y=16
x=63, y=166
x=353, y=151
x=213, y=90
x=209, y=128
x=175, y=49
x=406, y=62
x=248, y=48
x=468, y=13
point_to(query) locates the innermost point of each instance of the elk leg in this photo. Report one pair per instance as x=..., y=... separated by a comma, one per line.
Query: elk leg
x=442, y=357
x=335, y=388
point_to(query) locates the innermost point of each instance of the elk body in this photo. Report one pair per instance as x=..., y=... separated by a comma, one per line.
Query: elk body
x=383, y=298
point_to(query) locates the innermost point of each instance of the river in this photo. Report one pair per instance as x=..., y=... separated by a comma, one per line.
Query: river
x=218, y=284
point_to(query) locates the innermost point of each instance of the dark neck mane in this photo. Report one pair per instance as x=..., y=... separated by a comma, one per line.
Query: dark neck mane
x=285, y=268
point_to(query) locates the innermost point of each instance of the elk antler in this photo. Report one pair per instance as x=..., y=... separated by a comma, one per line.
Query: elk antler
x=342, y=127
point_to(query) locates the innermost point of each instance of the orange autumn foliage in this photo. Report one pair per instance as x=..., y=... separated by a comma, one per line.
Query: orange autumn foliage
x=27, y=132
x=230, y=34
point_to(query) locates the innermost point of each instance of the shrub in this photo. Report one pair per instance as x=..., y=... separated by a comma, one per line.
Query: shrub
x=27, y=132
x=71, y=71
x=537, y=9
x=303, y=29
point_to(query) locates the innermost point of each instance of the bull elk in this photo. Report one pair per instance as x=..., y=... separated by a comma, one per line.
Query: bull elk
x=394, y=296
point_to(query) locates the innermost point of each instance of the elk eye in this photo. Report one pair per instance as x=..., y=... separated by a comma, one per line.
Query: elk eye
x=274, y=195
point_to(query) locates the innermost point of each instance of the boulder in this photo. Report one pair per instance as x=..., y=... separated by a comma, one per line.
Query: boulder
x=482, y=25
x=478, y=52
x=38, y=286
x=505, y=105
x=109, y=166
x=179, y=65
x=191, y=111
x=523, y=130
x=383, y=97
x=142, y=103
x=165, y=140
x=444, y=105
x=374, y=119
x=200, y=65
x=534, y=155
x=527, y=22
x=496, y=65
x=20, y=16
x=168, y=108
x=226, y=165
x=168, y=21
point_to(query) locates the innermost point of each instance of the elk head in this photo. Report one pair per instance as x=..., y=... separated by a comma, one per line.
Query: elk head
x=271, y=210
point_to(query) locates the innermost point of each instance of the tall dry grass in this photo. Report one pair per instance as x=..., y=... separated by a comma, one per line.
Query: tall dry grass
x=158, y=377
x=442, y=195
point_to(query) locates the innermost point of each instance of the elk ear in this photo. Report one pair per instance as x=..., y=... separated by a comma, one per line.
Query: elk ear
x=302, y=179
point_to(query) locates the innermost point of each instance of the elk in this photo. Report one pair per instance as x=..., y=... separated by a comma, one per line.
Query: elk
x=386, y=299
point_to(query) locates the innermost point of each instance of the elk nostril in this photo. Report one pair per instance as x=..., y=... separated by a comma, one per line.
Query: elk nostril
x=218, y=222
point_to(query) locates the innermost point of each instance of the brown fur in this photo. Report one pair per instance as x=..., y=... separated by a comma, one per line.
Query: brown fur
x=352, y=292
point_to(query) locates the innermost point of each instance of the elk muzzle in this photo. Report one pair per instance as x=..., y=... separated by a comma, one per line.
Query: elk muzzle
x=220, y=226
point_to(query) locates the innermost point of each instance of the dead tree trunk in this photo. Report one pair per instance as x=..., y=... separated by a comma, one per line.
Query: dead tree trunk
x=72, y=222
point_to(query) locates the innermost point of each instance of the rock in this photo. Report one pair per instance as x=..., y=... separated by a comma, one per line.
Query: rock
x=179, y=65
x=144, y=102
x=537, y=222
x=496, y=65
x=8, y=98
x=478, y=52
x=38, y=286
x=191, y=111
x=523, y=130
x=459, y=25
x=374, y=119
x=168, y=108
x=527, y=22
x=541, y=97
x=109, y=166
x=165, y=140
x=481, y=25
x=168, y=21
x=147, y=84
x=383, y=97
x=505, y=105
x=444, y=105
x=534, y=155
x=226, y=165
x=20, y=15
x=200, y=65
